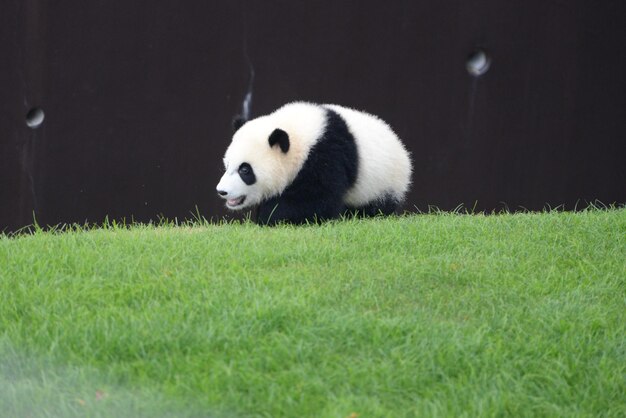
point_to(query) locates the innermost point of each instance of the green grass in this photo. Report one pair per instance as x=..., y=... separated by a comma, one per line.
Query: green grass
x=416, y=316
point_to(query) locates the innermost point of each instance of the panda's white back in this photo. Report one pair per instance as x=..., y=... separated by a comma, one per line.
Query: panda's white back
x=384, y=166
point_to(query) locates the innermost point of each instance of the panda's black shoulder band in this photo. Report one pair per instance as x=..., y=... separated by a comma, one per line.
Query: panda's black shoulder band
x=281, y=138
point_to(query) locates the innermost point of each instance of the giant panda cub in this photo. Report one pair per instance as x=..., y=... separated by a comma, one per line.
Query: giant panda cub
x=307, y=163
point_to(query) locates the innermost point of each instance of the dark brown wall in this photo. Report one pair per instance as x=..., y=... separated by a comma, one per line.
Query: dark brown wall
x=139, y=97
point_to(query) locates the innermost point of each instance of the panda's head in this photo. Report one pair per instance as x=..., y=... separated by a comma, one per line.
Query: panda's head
x=258, y=164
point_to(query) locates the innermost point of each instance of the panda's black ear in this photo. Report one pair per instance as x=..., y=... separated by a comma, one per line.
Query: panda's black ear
x=281, y=138
x=238, y=122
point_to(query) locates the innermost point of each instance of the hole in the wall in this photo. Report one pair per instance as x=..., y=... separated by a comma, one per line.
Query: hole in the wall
x=478, y=62
x=35, y=117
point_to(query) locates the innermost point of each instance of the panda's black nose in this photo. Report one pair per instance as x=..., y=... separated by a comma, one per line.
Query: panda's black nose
x=222, y=193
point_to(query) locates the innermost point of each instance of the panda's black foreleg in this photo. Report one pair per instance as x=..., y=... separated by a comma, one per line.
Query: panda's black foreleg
x=284, y=210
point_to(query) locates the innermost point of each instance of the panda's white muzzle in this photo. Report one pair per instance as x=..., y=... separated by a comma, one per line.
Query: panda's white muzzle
x=228, y=192
x=232, y=202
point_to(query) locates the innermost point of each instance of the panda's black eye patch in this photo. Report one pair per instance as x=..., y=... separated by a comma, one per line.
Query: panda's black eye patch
x=247, y=174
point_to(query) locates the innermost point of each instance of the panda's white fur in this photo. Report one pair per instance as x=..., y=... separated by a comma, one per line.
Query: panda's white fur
x=383, y=169
x=302, y=121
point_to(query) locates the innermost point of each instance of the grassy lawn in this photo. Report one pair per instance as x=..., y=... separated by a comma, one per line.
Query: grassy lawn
x=417, y=316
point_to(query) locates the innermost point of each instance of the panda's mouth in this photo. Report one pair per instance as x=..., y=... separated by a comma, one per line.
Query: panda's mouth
x=233, y=203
